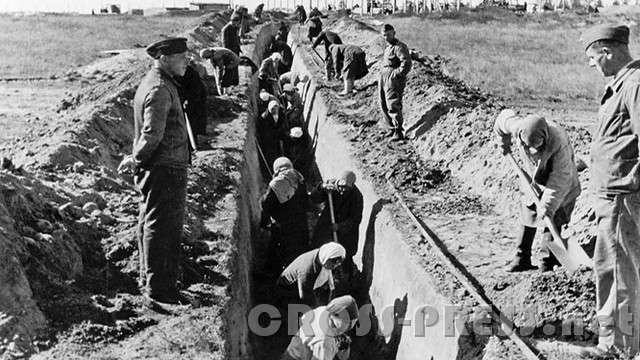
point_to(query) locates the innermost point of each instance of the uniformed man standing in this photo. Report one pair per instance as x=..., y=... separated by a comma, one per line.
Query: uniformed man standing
x=327, y=38
x=396, y=63
x=615, y=179
x=160, y=159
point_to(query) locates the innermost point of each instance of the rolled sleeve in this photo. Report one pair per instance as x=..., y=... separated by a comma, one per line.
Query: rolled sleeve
x=402, y=52
x=155, y=112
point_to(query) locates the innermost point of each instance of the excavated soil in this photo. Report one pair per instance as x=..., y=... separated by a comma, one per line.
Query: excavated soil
x=69, y=220
x=454, y=178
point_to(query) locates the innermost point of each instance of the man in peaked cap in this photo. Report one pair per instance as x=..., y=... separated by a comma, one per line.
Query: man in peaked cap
x=396, y=63
x=160, y=159
x=615, y=180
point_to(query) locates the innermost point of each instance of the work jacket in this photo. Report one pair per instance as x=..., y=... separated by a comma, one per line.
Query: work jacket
x=615, y=161
x=553, y=168
x=327, y=38
x=160, y=129
x=396, y=59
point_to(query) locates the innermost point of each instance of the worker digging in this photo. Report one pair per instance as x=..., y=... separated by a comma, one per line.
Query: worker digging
x=328, y=168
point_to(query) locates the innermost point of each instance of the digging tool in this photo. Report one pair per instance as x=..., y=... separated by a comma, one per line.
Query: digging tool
x=570, y=255
x=333, y=216
x=192, y=138
x=316, y=51
x=264, y=159
x=468, y=281
x=217, y=75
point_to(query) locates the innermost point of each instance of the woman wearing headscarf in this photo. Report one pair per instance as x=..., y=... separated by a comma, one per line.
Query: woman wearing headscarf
x=311, y=276
x=284, y=207
x=272, y=129
x=550, y=163
x=347, y=207
x=322, y=335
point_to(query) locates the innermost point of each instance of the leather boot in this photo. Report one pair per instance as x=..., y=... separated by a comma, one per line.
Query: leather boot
x=522, y=259
x=549, y=260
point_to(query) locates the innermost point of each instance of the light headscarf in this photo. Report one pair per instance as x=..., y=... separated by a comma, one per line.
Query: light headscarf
x=326, y=252
x=285, y=179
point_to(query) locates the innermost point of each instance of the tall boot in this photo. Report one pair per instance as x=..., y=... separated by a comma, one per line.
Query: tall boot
x=548, y=259
x=522, y=259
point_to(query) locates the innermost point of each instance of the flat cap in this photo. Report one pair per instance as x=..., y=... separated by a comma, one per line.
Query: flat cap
x=167, y=47
x=388, y=27
x=605, y=32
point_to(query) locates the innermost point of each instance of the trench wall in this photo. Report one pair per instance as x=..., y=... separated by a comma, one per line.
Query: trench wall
x=398, y=281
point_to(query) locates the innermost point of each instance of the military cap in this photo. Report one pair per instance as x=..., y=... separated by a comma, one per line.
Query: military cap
x=605, y=32
x=167, y=47
x=288, y=88
x=388, y=27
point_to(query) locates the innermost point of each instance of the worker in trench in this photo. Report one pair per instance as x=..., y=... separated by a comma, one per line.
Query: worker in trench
x=160, y=159
x=293, y=78
x=284, y=212
x=293, y=106
x=344, y=224
x=396, y=64
x=281, y=47
x=283, y=32
x=550, y=161
x=193, y=95
x=615, y=180
x=327, y=38
x=315, y=26
x=298, y=148
x=225, y=66
x=309, y=278
x=268, y=76
x=271, y=130
x=350, y=64
x=323, y=334
x=301, y=14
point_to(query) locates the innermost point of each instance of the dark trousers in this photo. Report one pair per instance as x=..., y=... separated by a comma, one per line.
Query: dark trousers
x=162, y=209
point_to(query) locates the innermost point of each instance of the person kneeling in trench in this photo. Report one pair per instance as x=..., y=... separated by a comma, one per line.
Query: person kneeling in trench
x=322, y=334
x=310, y=275
x=547, y=155
x=350, y=64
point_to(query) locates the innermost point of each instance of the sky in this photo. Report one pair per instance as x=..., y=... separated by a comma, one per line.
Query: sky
x=85, y=6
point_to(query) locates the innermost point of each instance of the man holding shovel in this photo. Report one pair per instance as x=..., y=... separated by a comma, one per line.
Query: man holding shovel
x=551, y=171
x=341, y=216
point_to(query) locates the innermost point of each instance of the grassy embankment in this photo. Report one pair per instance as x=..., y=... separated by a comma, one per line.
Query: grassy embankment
x=42, y=45
x=532, y=59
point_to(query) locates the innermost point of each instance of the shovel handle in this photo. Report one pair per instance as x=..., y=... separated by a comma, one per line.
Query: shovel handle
x=333, y=216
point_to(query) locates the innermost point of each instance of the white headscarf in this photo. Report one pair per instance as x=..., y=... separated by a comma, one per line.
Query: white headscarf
x=328, y=251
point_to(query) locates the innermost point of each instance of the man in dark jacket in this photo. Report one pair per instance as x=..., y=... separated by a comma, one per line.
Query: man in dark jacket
x=160, y=158
x=283, y=32
x=347, y=207
x=327, y=38
x=230, y=34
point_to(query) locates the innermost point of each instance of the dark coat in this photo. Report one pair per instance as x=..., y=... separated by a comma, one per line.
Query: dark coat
x=271, y=134
x=291, y=229
x=194, y=92
x=231, y=38
x=300, y=152
x=350, y=61
x=278, y=46
x=160, y=130
x=348, y=214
